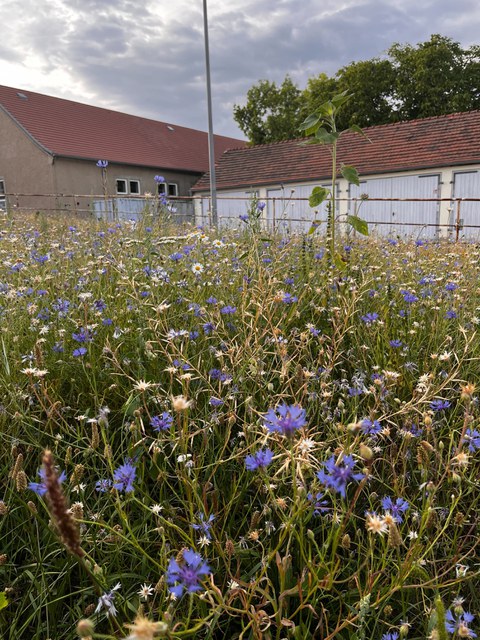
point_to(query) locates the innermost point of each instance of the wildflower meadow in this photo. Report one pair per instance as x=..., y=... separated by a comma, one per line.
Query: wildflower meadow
x=223, y=434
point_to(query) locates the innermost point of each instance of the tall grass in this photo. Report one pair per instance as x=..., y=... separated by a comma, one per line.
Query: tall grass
x=254, y=445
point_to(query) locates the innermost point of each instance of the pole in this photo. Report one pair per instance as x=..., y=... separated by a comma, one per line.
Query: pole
x=211, y=148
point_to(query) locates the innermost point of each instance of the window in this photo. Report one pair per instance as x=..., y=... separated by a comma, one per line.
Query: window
x=125, y=186
x=134, y=186
x=3, y=200
x=172, y=189
x=121, y=186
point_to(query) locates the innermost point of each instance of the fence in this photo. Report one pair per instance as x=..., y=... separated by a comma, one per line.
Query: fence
x=109, y=208
x=404, y=217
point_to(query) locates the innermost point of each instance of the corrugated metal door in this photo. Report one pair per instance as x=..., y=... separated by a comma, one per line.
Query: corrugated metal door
x=466, y=184
x=397, y=218
x=288, y=211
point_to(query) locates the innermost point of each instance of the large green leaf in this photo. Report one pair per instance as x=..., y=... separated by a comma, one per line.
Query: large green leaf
x=350, y=174
x=326, y=137
x=318, y=195
x=310, y=122
x=358, y=224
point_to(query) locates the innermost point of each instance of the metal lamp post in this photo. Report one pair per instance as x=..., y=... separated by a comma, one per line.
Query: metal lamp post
x=211, y=147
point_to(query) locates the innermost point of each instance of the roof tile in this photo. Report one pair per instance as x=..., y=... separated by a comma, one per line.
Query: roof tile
x=72, y=129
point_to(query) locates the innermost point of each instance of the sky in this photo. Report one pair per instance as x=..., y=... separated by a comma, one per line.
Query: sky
x=147, y=57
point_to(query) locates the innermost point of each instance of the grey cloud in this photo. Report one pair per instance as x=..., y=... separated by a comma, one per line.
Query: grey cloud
x=134, y=57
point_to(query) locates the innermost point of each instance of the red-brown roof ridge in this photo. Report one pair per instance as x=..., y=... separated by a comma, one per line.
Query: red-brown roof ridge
x=425, y=143
x=67, y=128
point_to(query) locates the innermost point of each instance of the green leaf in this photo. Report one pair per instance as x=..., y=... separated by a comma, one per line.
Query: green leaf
x=3, y=600
x=339, y=262
x=358, y=224
x=310, y=122
x=318, y=195
x=341, y=98
x=356, y=129
x=350, y=174
x=314, y=227
x=326, y=137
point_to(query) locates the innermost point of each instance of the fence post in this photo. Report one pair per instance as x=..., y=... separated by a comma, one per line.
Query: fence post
x=457, y=222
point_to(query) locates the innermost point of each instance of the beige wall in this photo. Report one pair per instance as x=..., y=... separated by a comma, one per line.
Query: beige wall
x=83, y=179
x=24, y=167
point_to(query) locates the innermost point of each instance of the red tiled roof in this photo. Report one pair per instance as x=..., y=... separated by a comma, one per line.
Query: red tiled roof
x=71, y=129
x=452, y=139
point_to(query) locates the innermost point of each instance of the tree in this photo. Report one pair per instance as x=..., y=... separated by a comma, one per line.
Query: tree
x=271, y=112
x=434, y=78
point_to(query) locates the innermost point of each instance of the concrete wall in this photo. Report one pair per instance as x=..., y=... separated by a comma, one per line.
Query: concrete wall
x=24, y=167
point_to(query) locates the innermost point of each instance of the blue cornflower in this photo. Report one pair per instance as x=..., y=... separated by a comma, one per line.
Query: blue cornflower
x=370, y=428
x=186, y=576
x=106, y=601
x=228, y=310
x=40, y=488
x=439, y=405
x=208, y=328
x=395, y=344
x=451, y=286
x=211, y=300
x=124, y=477
x=354, y=391
x=259, y=460
x=285, y=419
x=204, y=525
x=450, y=314
x=289, y=299
x=83, y=335
x=472, y=436
x=409, y=297
x=103, y=485
x=159, y=179
x=397, y=508
x=216, y=402
x=61, y=306
x=370, y=318
x=162, y=422
x=318, y=503
x=78, y=353
x=102, y=164
x=176, y=256
x=390, y=636
x=261, y=206
x=459, y=624
x=243, y=217
x=337, y=476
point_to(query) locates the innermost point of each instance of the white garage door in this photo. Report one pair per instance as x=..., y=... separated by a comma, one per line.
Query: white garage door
x=397, y=218
x=466, y=184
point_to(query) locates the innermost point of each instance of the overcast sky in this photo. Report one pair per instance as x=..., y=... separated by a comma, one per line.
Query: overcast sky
x=146, y=57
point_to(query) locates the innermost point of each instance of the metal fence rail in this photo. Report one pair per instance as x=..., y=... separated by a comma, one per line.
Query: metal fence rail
x=287, y=214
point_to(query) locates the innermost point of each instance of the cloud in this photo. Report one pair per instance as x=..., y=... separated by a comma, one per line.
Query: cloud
x=147, y=56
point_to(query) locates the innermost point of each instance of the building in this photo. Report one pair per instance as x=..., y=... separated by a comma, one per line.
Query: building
x=434, y=162
x=50, y=146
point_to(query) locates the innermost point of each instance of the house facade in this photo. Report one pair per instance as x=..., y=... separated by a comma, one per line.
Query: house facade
x=417, y=178
x=49, y=148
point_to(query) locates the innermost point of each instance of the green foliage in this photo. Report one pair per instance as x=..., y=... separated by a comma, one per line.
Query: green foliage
x=270, y=113
x=322, y=124
x=433, y=78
